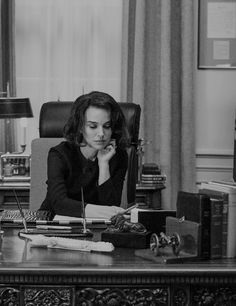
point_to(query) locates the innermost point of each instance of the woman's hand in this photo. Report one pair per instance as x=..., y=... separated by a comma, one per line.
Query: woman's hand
x=103, y=157
x=106, y=154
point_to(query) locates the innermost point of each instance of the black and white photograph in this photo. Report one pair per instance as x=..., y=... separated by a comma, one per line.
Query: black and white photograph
x=117, y=152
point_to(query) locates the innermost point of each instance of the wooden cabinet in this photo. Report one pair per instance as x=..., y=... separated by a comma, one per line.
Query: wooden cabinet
x=151, y=196
x=7, y=198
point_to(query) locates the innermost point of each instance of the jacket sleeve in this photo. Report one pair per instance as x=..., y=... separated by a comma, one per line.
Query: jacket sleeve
x=57, y=189
x=111, y=190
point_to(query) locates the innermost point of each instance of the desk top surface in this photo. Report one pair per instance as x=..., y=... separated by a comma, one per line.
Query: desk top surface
x=17, y=255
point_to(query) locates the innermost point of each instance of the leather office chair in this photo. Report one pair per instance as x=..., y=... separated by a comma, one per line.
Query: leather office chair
x=53, y=116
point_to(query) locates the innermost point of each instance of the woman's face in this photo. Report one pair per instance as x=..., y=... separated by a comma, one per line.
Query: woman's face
x=97, y=128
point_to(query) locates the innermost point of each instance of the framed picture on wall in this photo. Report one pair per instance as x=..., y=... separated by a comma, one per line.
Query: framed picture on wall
x=217, y=34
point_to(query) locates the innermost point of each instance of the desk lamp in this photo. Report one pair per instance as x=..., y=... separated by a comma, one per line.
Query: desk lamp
x=13, y=107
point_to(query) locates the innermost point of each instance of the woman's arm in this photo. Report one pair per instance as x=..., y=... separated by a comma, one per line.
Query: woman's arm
x=110, y=191
x=104, y=156
x=57, y=193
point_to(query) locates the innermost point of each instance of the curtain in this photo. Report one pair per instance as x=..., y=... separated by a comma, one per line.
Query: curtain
x=66, y=48
x=7, y=70
x=157, y=73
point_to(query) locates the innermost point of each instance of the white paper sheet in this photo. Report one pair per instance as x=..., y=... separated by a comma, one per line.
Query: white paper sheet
x=221, y=20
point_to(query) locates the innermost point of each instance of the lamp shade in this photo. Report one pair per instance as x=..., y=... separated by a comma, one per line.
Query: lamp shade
x=15, y=108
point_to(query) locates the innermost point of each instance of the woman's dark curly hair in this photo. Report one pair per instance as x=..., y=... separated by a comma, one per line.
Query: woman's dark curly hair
x=74, y=126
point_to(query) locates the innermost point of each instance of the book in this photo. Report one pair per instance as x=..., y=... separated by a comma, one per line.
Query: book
x=227, y=183
x=216, y=228
x=154, y=176
x=196, y=207
x=155, y=180
x=224, y=197
x=150, y=168
x=152, y=184
x=231, y=228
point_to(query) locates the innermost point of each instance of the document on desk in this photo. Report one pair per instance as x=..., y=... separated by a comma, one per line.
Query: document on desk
x=102, y=211
x=94, y=214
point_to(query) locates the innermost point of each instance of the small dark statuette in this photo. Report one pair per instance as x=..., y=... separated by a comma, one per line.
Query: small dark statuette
x=120, y=224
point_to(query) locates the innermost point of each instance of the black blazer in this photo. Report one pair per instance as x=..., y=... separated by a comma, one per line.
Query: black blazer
x=69, y=170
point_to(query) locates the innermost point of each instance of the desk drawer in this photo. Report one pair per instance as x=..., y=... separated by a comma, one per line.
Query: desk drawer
x=8, y=201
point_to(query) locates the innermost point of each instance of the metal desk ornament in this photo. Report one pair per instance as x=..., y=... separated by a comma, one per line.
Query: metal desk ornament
x=157, y=243
x=180, y=242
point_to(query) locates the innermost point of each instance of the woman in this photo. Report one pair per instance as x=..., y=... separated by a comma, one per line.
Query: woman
x=92, y=157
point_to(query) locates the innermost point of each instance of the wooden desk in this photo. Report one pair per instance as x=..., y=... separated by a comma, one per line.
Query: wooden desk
x=38, y=276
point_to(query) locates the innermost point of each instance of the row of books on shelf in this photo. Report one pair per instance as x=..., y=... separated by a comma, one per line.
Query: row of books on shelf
x=214, y=208
x=149, y=179
x=151, y=175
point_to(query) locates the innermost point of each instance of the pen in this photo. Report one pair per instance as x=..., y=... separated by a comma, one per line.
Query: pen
x=21, y=211
x=130, y=208
x=83, y=207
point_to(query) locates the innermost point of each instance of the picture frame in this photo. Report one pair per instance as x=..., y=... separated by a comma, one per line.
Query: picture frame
x=216, y=34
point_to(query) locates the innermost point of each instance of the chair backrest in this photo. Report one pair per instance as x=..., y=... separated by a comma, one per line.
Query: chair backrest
x=38, y=169
x=53, y=116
